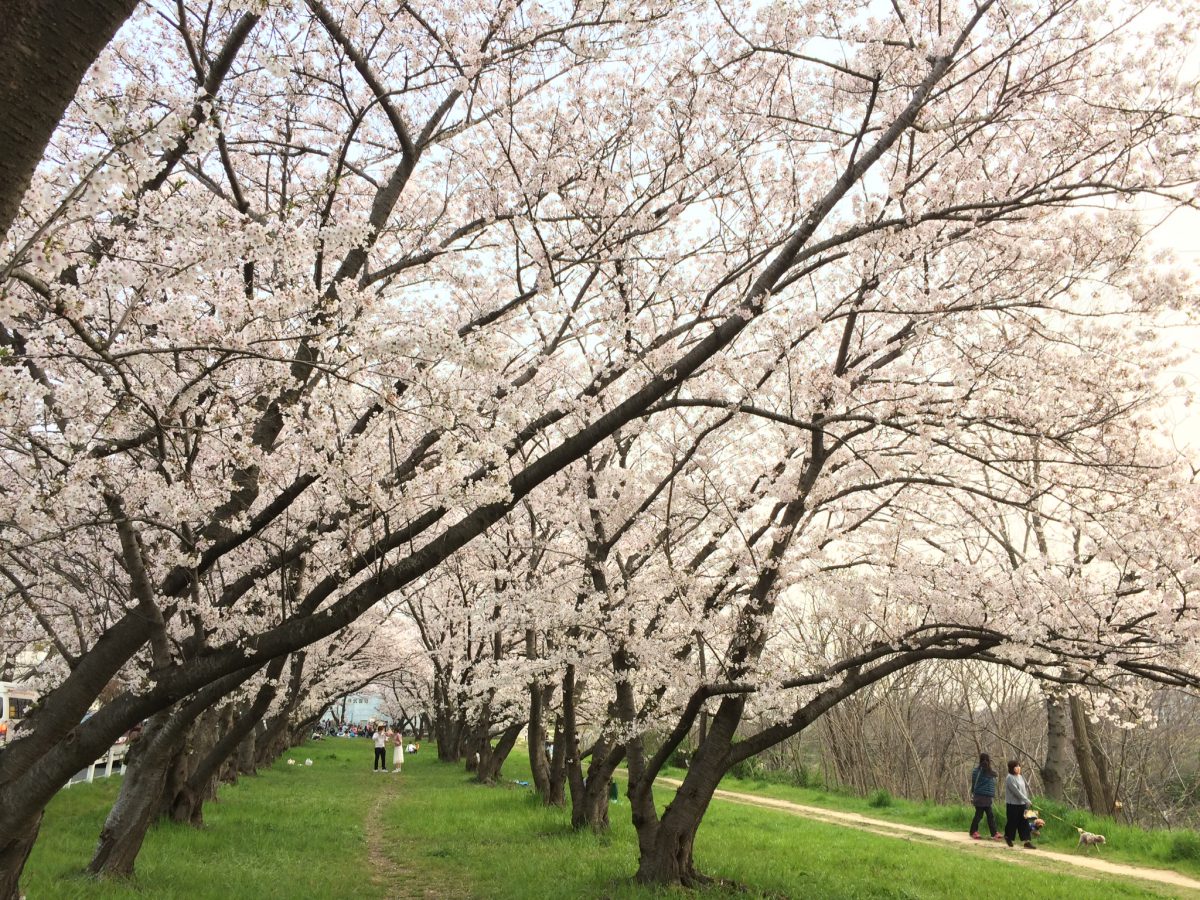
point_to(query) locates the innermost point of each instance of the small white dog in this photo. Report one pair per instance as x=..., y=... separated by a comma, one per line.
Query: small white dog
x=1089, y=840
x=308, y=762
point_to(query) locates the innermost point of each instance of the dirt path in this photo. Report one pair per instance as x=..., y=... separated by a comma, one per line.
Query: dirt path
x=995, y=850
x=386, y=857
x=384, y=871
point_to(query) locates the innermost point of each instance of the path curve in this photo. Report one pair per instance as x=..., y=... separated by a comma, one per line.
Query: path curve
x=994, y=850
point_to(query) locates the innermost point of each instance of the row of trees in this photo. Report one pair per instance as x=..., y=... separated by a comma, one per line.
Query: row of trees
x=668, y=364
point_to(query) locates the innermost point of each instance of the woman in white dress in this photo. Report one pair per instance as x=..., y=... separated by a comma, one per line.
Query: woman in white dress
x=397, y=752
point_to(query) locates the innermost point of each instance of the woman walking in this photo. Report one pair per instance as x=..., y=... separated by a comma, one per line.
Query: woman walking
x=1016, y=801
x=983, y=792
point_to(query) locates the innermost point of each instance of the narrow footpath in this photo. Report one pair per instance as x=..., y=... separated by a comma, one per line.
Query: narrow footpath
x=995, y=850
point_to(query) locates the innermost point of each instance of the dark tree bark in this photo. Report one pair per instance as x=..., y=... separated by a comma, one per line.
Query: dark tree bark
x=539, y=764
x=1093, y=765
x=449, y=721
x=589, y=805
x=271, y=741
x=477, y=743
x=246, y=762
x=567, y=749
x=13, y=853
x=187, y=801
x=539, y=761
x=194, y=747
x=557, y=795
x=1058, y=748
x=46, y=47
x=666, y=855
x=140, y=800
x=491, y=761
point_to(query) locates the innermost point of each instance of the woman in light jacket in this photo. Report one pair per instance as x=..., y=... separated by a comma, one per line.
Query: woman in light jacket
x=1016, y=801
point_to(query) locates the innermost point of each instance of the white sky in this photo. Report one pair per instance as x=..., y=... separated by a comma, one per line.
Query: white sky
x=1181, y=234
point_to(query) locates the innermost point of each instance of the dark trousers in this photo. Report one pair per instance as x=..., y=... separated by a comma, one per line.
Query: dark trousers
x=380, y=761
x=980, y=812
x=1015, y=822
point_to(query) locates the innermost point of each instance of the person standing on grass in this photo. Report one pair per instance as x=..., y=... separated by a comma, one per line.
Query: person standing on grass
x=397, y=751
x=983, y=792
x=1016, y=801
x=380, y=750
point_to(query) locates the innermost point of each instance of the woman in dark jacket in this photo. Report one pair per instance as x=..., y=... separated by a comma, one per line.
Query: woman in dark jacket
x=983, y=792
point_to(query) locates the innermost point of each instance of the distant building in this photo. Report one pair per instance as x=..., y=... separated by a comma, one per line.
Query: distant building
x=356, y=709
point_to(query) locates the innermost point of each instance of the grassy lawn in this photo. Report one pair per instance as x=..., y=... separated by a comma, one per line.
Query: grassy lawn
x=337, y=830
x=292, y=832
x=1178, y=849
x=501, y=843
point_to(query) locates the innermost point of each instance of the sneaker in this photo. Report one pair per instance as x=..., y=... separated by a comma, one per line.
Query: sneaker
x=1029, y=846
x=975, y=836
x=997, y=836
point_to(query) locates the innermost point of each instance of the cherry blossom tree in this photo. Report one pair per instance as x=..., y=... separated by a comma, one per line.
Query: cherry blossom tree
x=314, y=296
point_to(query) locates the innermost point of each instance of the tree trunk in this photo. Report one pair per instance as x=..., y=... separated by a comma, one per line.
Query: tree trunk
x=1093, y=769
x=589, y=795
x=1058, y=748
x=557, y=794
x=449, y=740
x=271, y=740
x=184, y=795
x=14, y=851
x=567, y=747
x=671, y=860
x=141, y=795
x=177, y=775
x=589, y=809
x=589, y=804
x=492, y=760
x=665, y=846
x=46, y=47
x=246, y=754
x=477, y=745
x=187, y=802
x=539, y=764
x=449, y=724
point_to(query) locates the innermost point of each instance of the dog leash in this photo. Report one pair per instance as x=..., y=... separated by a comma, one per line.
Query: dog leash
x=1064, y=821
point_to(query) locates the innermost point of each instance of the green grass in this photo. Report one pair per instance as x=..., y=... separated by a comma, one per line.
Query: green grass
x=290, y=832
x=305, y=832
x=501, y=843
x=1173, y=849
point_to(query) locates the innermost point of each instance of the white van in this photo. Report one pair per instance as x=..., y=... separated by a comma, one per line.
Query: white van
x=15, y=701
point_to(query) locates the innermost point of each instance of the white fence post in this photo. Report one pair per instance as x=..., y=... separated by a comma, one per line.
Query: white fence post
x=116, y=754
